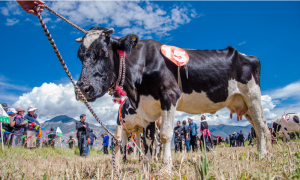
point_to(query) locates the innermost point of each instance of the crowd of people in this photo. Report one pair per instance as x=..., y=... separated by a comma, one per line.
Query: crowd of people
x=21, y=127
x=25, y=130
x=187, y=135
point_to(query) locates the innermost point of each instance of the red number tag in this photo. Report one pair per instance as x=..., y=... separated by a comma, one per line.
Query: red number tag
x=175, y=54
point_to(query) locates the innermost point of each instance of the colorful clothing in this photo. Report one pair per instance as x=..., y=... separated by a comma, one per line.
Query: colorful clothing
x=31, y=119
x=19, y=128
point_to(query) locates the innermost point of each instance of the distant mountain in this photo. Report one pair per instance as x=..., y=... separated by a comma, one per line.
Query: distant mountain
x=68, y=126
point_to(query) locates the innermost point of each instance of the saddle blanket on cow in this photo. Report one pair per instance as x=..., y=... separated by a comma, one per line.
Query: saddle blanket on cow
x=177, y=55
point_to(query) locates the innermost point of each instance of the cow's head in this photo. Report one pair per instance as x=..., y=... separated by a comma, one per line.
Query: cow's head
x=99, y=58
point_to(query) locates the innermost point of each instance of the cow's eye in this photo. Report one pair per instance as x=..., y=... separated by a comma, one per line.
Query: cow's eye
x=101, y=52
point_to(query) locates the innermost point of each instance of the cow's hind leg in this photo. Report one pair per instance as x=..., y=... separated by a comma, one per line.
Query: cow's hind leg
x=166, y=134
x=256, y=117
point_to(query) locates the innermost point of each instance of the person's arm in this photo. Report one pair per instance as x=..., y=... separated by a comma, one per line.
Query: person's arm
x=79, y=125
x=30, y=6
x=11, y=121
x=87, y=131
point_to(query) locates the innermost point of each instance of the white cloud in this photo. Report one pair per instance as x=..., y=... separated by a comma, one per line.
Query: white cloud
x=10, y=22
x=53, y=100
x=289, y=91
x=242, y=43
x=142, y=18
x=12, y=8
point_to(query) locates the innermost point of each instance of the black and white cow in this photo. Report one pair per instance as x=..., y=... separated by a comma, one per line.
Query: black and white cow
x=286, y=124
x=216, y=79
x=132, y=123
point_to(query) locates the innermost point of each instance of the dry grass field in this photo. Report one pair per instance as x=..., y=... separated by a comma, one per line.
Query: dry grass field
x=224, y=163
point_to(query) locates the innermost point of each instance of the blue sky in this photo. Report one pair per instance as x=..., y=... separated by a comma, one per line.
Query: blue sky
x=268, y=30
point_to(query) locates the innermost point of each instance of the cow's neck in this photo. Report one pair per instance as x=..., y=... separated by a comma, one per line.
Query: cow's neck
x=132, y=77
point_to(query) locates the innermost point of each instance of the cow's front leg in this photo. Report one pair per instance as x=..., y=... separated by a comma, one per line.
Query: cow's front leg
x=124, y=142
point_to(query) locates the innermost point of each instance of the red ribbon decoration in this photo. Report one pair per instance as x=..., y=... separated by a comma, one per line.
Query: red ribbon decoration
x=28, y=137
x=32, y=124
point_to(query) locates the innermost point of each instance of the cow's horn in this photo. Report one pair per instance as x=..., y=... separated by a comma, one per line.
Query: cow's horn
x=110, y=31
x=79, y=40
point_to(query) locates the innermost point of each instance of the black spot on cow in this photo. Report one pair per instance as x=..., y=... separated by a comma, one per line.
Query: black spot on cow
x=276, y=128
x=285, y=128
x=296, y=119
x=131, y=111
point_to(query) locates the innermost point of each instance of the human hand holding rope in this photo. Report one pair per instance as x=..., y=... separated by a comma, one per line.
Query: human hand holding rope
x=30, y=6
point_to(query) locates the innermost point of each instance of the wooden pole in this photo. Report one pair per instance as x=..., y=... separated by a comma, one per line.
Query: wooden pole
x=117, y=148
x=134, y=152
x=2, y=134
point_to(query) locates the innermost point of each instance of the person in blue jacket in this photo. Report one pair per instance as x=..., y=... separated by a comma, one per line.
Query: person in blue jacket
x=105, y=143
x=193, y=134
x=93, y=138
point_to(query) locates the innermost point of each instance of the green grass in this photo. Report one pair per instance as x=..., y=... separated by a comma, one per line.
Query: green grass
x=224, y=163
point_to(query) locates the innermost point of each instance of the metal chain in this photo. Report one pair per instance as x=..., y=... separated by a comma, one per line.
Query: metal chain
x=124, y=70
x=116, y=141
x=80, y=29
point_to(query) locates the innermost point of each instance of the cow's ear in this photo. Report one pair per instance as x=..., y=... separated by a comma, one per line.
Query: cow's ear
x=79, y=40
x=128, y=42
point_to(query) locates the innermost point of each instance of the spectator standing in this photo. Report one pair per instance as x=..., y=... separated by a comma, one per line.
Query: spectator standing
x=20, y=125
x=93, y=138
x=186, y=135
x=237, y=140
x=30, y=129
x=234, y=139
x=83, y=134
x=231, y=138
x=249, y=138
x=226, y=140
x=105, y=143
x=242, y=139
x=71, y=142
x=38, y=132
x=9, y=127
x=51, y=138
x=178, y=137
x=193, y=134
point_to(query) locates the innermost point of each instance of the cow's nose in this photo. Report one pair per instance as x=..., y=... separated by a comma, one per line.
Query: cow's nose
x=79, y=83
x=87, y=89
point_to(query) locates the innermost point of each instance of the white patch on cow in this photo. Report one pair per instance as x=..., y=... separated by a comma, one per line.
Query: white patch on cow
x=149, y=108
x=90, y=37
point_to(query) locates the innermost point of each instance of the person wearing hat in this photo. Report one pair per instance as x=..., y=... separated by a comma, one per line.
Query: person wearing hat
x=20, y=125
x=9, y=127
x=30, y=129
x=83, y=134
